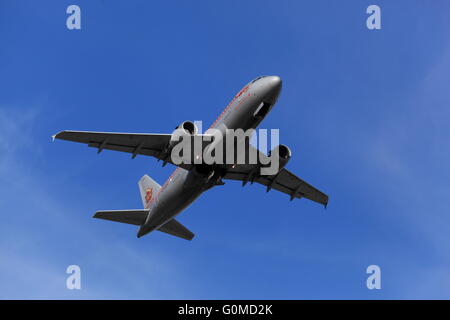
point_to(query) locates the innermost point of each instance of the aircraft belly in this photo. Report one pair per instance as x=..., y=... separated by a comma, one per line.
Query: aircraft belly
x=172, y=201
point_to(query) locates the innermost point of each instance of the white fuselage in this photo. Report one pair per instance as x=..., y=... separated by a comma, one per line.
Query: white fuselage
x=247, y=109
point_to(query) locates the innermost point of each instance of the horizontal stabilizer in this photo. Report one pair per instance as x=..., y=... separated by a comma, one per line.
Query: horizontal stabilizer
x=136, y=217
x=174, y=228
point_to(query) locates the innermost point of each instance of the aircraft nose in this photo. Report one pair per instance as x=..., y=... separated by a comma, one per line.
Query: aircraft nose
x=273, y=85
x=275, y=82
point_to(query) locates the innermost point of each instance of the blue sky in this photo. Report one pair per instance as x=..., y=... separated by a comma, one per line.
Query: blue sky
x=365, y=113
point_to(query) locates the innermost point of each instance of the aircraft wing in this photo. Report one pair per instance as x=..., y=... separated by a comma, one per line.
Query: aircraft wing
x=284, y=181
x=154, y=145
x=148, y=144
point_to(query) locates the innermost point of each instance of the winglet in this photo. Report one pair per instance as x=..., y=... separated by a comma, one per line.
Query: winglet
x=326, y=204
x=55, y=136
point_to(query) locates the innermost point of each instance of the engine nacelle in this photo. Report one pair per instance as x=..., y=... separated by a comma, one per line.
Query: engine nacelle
x=189, y=127
x=284, y=154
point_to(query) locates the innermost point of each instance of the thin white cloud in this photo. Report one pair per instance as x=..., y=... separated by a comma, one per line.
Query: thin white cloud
x=32, y=265
x=411, y=153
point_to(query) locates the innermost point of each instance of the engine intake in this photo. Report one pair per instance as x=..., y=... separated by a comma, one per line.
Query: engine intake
x=284, y=154
x=189, y=127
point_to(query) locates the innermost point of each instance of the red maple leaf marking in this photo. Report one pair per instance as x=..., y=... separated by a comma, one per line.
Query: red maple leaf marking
x=148, y=195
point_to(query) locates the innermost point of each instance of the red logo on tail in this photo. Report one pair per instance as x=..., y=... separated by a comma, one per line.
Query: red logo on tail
x=148, y=195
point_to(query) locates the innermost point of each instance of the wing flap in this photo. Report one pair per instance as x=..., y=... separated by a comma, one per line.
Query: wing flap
x=126, y=148
x=138, y=143
x=289, y=183
x=285, y=181
x=148, y=144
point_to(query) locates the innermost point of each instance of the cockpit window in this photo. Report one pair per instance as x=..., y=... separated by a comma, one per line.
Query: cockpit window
x=254, y=80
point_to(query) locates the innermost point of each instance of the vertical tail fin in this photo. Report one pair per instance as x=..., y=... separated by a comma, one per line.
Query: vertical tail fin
x=148, y=188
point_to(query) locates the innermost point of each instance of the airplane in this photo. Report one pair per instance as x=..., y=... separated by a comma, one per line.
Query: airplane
x=189, y=180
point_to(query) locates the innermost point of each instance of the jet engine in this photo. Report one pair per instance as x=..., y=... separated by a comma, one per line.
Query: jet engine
x=284, y=154
x=189, y=127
